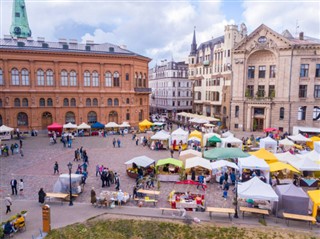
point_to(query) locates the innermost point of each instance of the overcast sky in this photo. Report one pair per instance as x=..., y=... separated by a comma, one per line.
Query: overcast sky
x=159, y=29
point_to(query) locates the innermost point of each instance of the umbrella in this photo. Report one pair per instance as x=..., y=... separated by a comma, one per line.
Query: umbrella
x=267, y=130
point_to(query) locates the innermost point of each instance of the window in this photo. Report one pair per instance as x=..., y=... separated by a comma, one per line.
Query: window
x=70, y=117
x=95, y=102
x=109, y=102
x=303, y=91
x=236, y=126
x=127, y=116
x=302, y=113
x=271, y=92
x=173, y=93
x=262, y=71
x=92, y=117
x=64, y=78
x=304, y=70
x=272, y=73
x=260, y=92
x=116, y=101
x=49, y=77
x=15, y=77
x=73, y=78
x=88, y=102
x=108, y=79
x=128, y=101
x=42, y=102
x=86, y=78
x=22, y=119
x=116, y=80
x=73, y=102
x=25, y=77
x=250, y=91
x=316, y=113
x=144, y=80
x=317, y=91
x=25, y=102
x=251, y=72
x=17, y=102
x=1, y=103
x=173, y=103
x=140, y=80
x=224, y=110
x=1, y=77
x=236, y=113
x=317, y=71
x=49, y=102
x=65, y=102
x=281, y=115
x=95, y=79
x=127, y=76
x=40, y=77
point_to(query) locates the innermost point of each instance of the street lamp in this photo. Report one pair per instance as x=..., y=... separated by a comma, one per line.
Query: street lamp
x=70, y=168
x=236, y=202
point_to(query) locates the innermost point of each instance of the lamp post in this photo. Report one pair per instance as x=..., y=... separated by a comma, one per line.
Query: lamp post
x=70, y=196
x=236, y=202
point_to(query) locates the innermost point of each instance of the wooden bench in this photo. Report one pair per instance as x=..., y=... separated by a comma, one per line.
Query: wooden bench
x=154, y=201
x=220, y=210
x=171, y=210
x=254, y=210
x=288, y=216
x=62, y=196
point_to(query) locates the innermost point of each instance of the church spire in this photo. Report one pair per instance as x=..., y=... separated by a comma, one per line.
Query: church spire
x=19, y=26
x=194, y=43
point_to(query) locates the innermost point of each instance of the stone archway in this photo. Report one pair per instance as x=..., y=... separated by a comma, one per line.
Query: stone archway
x=46, y=119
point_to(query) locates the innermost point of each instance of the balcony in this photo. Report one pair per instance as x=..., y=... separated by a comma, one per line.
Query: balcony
x=206, y=63
x=142, y=90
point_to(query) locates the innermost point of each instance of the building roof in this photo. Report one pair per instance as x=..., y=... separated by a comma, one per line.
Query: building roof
x=63, y=46
x=211, y=42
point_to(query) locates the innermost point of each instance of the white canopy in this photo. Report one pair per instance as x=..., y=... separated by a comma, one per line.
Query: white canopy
x=227, y=134
x=4, y=128
x=305, y=164
x=286, y=157
x=299, y=138
x=70, y=126
x=268, y=143
x=111, y=125
x=190, y=152
x=142, y=161
x=124, y=124
x=223, y=163
x=160, y=136
x=199, y=121
x=254, y=163
x=313, y=155
x=256, y=189
x=178, y=135
x=197, y=162
x=84, y=126
x=231, y=140
x=286, y=142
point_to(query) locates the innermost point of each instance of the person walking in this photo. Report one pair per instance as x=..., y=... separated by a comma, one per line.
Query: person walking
x=117, y=180
x=21, y=152
x=56, y=168
x=114, y=142
x=8, y=203
x=12, y=149
x=93, y=196
x=20, y=143
x=119, y=142
x=21, y=186
x=137, y=141
x=13, y=184
x=171, y=152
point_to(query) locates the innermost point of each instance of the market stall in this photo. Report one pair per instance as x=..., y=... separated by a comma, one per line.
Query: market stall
x=112, y=128
x=145, y=125
x=108, y=197
x=231, y=141
x=96, y=129
x=160, y=140
x=5, y=132
x=141, y=166
x=179, y=136
x=269, y=144
x=55, y=127
x=313, y=139
x=189, y=153
x=286, y=157
x=84, y=129
x=299, y=138
x=200, y=165
x=125, y=126
x=264, y=154
x=224, y=153
x=169, y=170
x=315, y=198
x=308, y=169
x=63, y=184
x=70, y=128
x=253, y=166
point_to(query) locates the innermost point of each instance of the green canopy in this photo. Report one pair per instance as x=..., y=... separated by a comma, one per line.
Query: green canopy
x=173, y=161
x=225, y=153
x=214, y=139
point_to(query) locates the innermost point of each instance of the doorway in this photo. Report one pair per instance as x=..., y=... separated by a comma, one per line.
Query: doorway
x=46, y=120
x=258, y=124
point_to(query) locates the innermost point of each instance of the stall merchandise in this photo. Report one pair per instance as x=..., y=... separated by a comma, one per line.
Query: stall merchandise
x=55, y=127
x=84, y=129
x=268, y=144
x=163, y=137
x=253, y=163
x=169, y=169
x=107, y=197
x=224, y=153
x=315, y=198
x=70, y=128
x=142, y=162
x=177, y=136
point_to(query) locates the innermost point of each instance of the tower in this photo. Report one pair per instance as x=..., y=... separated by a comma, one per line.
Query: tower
x=19, y=26
x=194, y=44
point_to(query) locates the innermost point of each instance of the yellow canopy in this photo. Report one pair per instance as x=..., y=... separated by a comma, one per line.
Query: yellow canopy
x=145, y=125
x=196, y=134
x=277, y=166
x=310, y=143
x=298, y=146
x=264, y=154
x=315, y=198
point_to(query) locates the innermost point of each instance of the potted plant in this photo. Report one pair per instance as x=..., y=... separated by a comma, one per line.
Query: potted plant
x=24, y=213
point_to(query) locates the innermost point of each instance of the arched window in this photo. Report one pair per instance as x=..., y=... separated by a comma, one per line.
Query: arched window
x=136, y=79
x=15, y=77
x=236, y=113
x=42, y=102
x=88, y=102
x=49, y=77
x=73, y=102
x=109, y=102
x=302, y=113
x=1, y=77
x=92, y=117
x=70, y=117
x=17, y=102
x=140, y=80
x=144, y=80
x=127, y=76
x=22, y=119
x=116, y=101
x=25, y=102
x=65, y=102
x=128, y=101
x=95, y=78
x=108, y=79
x=40, y=77
x=86, y=77
x=25, y=77
x=116, y=80
x=64, y=78
x=49, y=102
x=281, y=117
x=73, y=78
x=95, y=102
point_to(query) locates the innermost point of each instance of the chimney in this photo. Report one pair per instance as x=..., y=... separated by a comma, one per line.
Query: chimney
x=301, y=36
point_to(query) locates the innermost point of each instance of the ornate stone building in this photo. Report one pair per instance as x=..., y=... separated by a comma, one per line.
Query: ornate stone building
x=276, y=81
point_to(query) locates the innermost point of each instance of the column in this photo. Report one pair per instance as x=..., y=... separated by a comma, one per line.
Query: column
x=32, y=79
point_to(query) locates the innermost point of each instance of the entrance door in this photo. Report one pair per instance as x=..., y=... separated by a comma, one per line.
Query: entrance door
x=46, y=120
x=258, y=124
